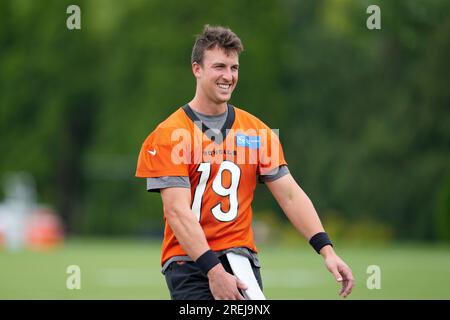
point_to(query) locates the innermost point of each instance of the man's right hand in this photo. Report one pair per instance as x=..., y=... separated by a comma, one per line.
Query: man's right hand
x=223, y=285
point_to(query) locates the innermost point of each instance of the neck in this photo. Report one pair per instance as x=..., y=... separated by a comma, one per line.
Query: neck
x=207, y=107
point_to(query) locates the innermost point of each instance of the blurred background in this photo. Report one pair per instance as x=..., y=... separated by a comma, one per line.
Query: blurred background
x=364, y=118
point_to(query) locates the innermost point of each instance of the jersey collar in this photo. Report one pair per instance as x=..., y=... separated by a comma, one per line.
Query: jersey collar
x=225, y=128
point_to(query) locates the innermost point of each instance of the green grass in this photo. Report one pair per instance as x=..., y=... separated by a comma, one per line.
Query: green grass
x=118, y=269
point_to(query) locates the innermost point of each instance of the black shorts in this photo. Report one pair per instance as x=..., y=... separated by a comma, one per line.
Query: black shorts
x=187, y=282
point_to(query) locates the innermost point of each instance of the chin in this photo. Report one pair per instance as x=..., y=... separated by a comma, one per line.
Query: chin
x=224, y=98
x=221, y=100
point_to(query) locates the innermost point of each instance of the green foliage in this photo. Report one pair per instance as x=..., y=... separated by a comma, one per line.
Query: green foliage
x=363, y=115
x=443, y=211
x=363, y=230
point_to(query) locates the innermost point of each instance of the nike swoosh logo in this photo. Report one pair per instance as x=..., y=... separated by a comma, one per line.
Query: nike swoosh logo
x=152, y=152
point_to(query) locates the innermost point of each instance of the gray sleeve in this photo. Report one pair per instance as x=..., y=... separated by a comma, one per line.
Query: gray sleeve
x=155, y=184
x=275, y=174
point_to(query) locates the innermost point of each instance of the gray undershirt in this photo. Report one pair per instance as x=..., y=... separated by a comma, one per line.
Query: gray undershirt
x=213, y=122
x=155, y=184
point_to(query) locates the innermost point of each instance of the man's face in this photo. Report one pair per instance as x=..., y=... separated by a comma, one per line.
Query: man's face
x=218, y=76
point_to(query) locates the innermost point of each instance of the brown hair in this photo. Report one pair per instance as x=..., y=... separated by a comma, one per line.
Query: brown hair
x=215, y=36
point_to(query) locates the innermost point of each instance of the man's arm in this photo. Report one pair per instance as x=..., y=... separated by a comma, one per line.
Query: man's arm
x=189, y=233
x=302, y=214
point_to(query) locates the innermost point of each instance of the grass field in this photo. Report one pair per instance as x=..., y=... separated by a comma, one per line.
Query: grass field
x=126, y=269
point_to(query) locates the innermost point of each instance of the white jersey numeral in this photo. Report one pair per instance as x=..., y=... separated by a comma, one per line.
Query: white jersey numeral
x=205, y=169
x=218, y=188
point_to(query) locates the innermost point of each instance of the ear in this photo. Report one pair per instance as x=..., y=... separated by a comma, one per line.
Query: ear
x=196, y=69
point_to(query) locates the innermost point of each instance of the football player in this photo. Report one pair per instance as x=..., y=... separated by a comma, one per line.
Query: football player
x=206, y=159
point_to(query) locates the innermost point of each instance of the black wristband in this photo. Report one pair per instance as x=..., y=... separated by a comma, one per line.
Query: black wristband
x=207, y=261
x=320, y=240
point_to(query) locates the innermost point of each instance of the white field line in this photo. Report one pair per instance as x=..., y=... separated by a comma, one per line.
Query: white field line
x=129, y=277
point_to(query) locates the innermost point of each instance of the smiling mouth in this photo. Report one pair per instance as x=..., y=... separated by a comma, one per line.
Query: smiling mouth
x=224, y=86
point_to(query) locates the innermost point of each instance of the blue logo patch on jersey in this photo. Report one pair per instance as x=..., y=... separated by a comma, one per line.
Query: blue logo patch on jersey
x=251, y=142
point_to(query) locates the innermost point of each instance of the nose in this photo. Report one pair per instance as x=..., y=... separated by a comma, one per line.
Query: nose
x=227, y=75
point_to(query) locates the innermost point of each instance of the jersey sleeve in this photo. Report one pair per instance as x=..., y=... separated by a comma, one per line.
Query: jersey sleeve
x=156, y=184
x=160, y=156
x=271, y=156
x=275, y=174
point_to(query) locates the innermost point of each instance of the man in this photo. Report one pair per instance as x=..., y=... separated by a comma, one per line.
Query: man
x=205, y=159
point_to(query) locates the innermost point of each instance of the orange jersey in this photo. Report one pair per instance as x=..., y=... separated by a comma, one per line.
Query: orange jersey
x=222, y=170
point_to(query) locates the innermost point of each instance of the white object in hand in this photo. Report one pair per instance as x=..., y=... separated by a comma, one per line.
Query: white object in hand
x=243, y=271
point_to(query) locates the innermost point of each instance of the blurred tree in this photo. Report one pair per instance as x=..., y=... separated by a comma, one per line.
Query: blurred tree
x=48, y=84
x=363, y=115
